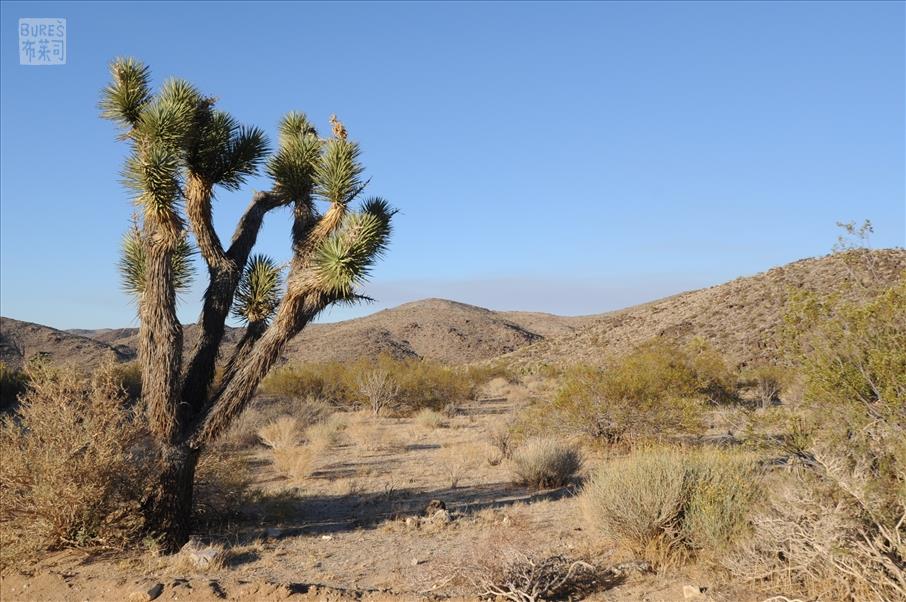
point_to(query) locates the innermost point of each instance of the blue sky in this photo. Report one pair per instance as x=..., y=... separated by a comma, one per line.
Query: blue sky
x=570, y=158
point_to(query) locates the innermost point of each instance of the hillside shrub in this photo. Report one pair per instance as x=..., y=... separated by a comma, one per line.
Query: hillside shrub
x=835, y=528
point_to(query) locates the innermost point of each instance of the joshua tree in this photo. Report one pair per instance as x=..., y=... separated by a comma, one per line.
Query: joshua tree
x=181, y=150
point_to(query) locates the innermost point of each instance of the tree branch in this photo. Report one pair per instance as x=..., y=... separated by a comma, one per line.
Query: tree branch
x=224, y=278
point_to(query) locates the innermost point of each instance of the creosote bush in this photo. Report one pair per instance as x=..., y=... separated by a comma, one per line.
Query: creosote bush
x=416, y=384
x=665, y=503
x=543, y=462
x=660, y=388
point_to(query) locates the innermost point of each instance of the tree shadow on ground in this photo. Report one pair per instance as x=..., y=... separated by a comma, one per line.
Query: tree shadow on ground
x=288, y=515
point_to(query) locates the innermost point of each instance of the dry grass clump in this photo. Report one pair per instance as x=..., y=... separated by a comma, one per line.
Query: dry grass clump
x=75, y=466
x=326, y=433
x=198, y=557
x=663, y=504
x=544, y=462
x=295, y=462
x=458, y=462
x=281, y=433
x=430, y=419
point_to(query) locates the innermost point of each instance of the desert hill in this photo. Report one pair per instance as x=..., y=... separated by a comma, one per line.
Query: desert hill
x=435, y=329
x=21, y=341
x=742, y=318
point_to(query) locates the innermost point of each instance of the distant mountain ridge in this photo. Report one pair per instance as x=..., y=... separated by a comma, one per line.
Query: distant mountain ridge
x=741, y=318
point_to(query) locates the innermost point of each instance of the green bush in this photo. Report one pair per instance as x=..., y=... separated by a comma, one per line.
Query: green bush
x=666, y=503
x=657, y=389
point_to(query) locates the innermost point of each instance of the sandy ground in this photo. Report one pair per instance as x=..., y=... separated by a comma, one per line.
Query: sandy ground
x=354, y=528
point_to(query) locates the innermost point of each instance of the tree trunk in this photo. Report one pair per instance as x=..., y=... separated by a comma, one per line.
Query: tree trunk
x=168, y=508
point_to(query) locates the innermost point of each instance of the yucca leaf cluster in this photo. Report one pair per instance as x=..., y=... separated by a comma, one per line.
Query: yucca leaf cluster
x=179, y=140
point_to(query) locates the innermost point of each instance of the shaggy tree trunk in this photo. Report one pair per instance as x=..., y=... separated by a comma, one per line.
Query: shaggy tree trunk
x=168, y=508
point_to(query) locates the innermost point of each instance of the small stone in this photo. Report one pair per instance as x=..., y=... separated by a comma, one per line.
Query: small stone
x=327, y=537
x=202, y=556
x=146, y=595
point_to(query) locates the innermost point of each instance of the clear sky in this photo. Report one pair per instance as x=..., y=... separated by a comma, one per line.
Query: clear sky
x=570, y=158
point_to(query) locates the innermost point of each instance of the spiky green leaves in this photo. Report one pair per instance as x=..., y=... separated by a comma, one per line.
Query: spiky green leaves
x=294, y=165
x=132, y=263
x=339, y=172
x=224, y=152
x=259, y=290
x=344, y=259
x=124, y=98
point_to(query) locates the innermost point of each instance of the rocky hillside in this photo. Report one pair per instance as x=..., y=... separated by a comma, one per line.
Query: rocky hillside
x=742, y=318
x=436, y=329
x=22, y=341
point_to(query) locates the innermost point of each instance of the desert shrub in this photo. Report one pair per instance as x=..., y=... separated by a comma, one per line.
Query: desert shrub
x=664, y=503
x=427, y=384
x=503, y=569
x=280, y=433
x=328, y=381
x=430, y=419
x=835, y=527
x=12, y=384
x=482, y=374
x=589, y=402
x=129, y=378
x=500, y=436
x=75, y=466
x=379, y=389
x=544, y=462
x=421, y=384
x=767, y=381
x=223, y=486
x=658, y=389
